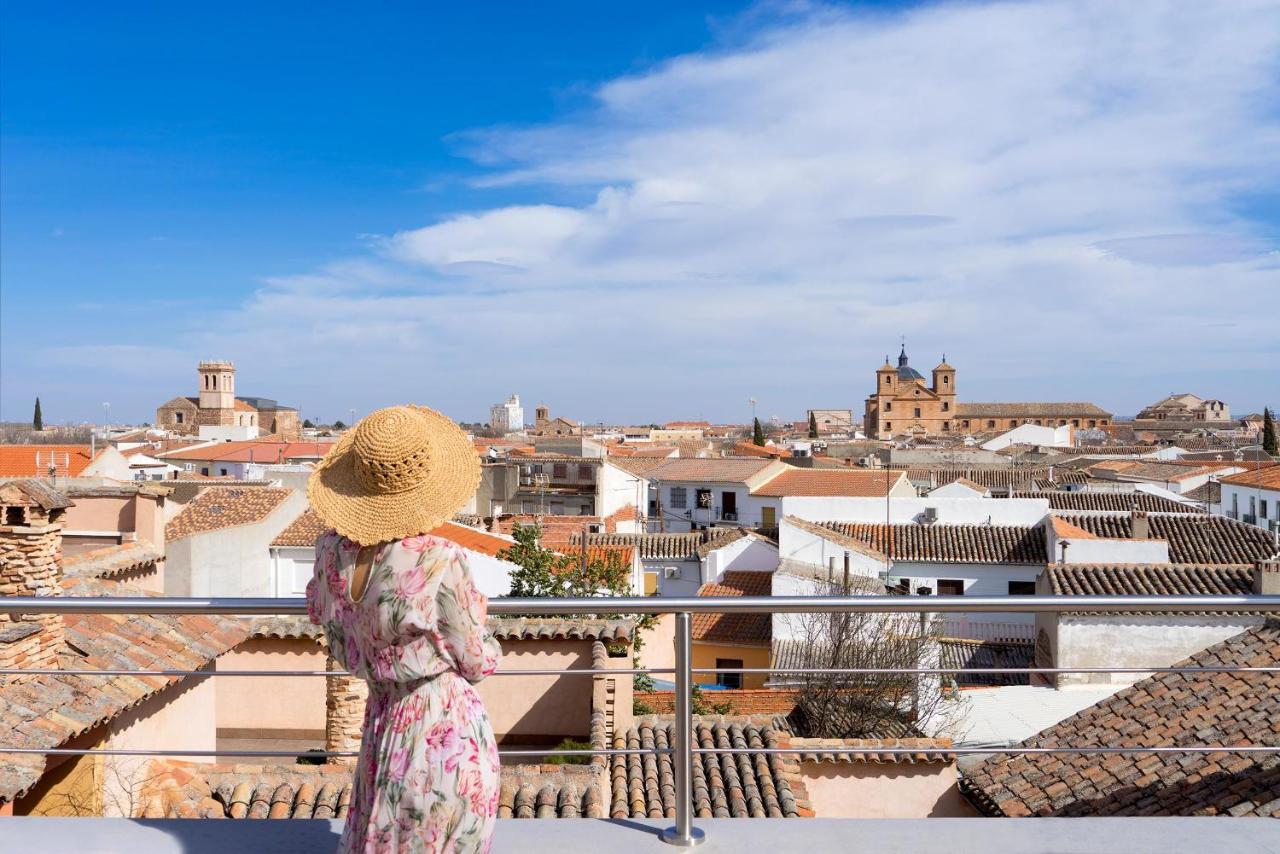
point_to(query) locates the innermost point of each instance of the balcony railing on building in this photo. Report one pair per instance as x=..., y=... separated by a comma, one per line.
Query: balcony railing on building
x=682, y=748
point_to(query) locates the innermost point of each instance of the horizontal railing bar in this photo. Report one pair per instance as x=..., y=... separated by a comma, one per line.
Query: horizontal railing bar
x=941, y=671
x=573, y=671
x=945, y=751
x=633, y=671
x=112, y=751
x=660, y=605
x=633, y=751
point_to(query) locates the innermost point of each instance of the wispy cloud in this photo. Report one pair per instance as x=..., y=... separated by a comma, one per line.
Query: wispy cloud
x=1042, y=190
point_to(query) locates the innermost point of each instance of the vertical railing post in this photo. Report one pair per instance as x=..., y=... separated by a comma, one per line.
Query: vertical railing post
x=683, y=834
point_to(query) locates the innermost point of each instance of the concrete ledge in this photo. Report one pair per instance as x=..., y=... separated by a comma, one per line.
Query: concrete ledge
x=724, y=835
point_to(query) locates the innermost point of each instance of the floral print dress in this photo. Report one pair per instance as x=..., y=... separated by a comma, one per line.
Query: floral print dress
x=428, y=777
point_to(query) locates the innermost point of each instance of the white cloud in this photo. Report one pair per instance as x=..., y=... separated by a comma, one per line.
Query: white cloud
x=1045, y=191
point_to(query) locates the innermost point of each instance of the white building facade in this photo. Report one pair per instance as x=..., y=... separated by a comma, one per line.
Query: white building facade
x=507, y=417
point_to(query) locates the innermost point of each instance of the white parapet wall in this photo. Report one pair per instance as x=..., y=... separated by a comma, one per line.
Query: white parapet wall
x=902, y=511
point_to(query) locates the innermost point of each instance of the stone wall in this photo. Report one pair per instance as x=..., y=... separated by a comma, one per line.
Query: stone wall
x=30, y=566
x=345, y=697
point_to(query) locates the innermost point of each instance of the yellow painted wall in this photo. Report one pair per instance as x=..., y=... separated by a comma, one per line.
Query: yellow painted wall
x=73, y=788
x=705, y=655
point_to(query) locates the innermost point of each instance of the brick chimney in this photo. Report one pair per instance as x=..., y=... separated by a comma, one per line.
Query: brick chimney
x=344, y=712
x=30, y=565
x=1266, y=577
x=1140, y=525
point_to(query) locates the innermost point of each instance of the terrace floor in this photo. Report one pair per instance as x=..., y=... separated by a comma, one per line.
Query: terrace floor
x=623, y=836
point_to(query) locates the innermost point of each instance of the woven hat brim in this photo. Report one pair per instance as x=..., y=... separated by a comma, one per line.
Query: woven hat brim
x=364, y=517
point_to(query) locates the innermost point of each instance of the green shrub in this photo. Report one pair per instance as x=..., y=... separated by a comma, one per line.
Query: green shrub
x=570, y=744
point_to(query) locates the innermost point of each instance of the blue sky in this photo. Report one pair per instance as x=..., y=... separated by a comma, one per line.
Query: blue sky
x=637, y=211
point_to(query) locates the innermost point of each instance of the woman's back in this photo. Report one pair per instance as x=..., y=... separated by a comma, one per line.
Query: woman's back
x=413, y=619
x=428, y=771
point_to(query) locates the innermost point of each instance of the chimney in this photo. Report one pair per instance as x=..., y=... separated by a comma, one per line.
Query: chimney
x=1266, y=577
x=1139, y=526
x=30, y=565
x=344, y=701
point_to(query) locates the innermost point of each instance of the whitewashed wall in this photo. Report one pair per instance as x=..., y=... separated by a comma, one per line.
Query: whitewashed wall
x=745, y=554
x=1134, y=641
x=903, y=510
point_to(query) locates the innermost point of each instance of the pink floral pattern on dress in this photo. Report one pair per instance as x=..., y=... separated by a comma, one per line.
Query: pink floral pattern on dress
x=428, y=777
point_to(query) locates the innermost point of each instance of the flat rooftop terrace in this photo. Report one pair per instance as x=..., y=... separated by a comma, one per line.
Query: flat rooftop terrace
x=623, y=836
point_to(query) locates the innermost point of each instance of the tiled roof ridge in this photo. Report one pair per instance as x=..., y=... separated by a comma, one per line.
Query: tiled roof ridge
x=945, y=542
x=556, y=628
x=1192, y=537
x=837, y=537
x=112, y=560
x=871, y=750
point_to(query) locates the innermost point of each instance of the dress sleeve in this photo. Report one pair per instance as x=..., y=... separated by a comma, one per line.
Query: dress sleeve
x=316, y=586
x=462, y=610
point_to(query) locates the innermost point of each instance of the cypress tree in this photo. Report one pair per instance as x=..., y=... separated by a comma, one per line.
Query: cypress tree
x=37, y=420
x=1268, y=431
x=813, y=426
x=757, y=433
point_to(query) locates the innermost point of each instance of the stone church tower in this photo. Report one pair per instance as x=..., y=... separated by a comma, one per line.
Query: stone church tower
x=217, y=405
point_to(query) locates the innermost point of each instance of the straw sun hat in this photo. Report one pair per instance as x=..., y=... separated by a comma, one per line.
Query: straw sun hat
x=402, y=471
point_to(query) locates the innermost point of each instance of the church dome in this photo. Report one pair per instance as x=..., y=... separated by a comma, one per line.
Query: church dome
x=906, y=373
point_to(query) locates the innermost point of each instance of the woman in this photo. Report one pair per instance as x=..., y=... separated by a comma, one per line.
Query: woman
x=400, y=609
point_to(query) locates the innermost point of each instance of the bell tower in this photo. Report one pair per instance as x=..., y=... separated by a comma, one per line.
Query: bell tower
x=217, y=385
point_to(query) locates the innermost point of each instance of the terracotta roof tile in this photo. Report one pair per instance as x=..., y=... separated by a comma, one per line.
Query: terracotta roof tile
x=754, y=629
x=553, y=628
x=678, y=547
x=1192, y=537
x=34, y=460
x=219, y=508
x=837, y=750
x=858, y=483
x=962, y=653
x=1267, y=478
x=1029, y=410
x=712, y=470
x=301, y=532
x=111, y=561
x=1168, y=709
x=48, y=710
x=745, y=786
x=1150, y=580
x=944, y=543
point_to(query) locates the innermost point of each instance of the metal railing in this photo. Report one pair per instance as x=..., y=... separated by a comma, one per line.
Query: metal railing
x=682, y=749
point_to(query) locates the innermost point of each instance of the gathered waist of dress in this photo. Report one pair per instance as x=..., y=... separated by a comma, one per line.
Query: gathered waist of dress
x=407, y=686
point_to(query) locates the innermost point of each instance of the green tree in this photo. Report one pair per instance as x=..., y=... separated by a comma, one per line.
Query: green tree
x=813, y=426
x=1268, y=431
x=543, y=573
x=338, y=425
x=307, y=424
x=757, y=433
x=37, y=419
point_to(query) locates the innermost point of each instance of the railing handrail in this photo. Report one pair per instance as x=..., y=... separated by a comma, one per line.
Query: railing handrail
x=682, y=749
x=498, y=606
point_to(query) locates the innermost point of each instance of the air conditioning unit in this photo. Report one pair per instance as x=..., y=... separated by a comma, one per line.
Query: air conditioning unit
x=930, y=515
x=671, y=572
x=729, y=517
